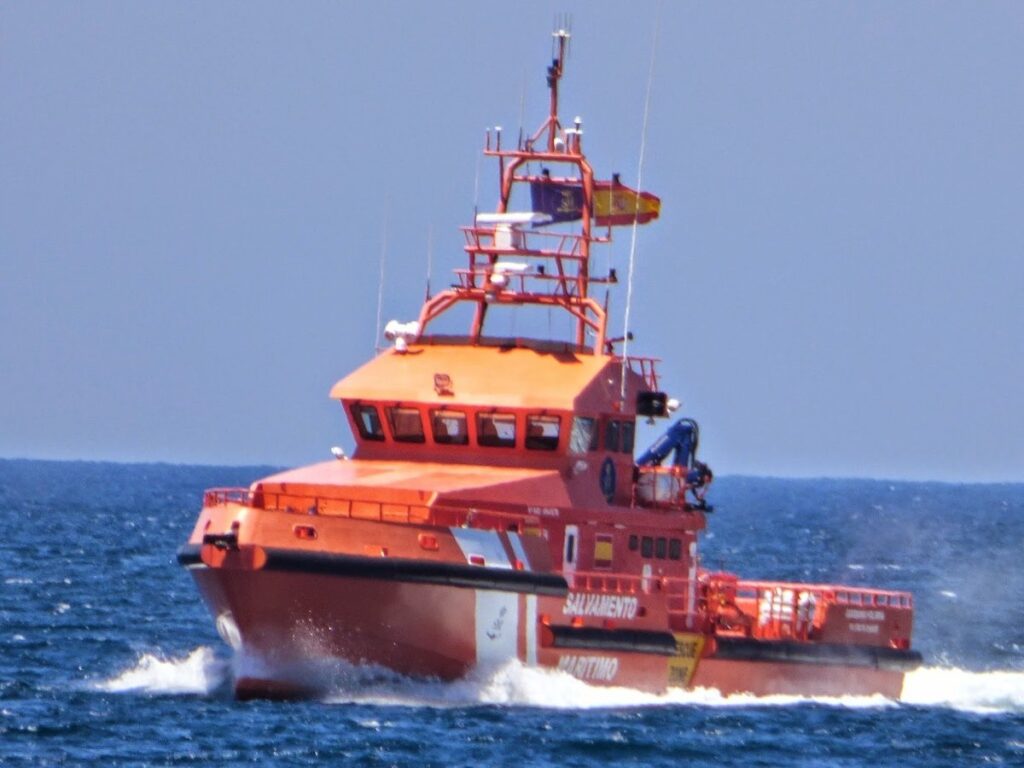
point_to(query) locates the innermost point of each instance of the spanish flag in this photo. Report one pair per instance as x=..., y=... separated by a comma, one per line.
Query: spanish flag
x=615, y=204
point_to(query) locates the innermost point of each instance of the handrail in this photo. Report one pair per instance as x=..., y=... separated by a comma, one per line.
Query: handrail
x=648, y=369
x=604, y=581
x=786, y=610
x=483, y=240
x=838, y=593
x=218, y=497
x=373, y=509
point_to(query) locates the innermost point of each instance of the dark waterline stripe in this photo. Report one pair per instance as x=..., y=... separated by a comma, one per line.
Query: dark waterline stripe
x=829, y=654
x=397, y=569
x=629, y=640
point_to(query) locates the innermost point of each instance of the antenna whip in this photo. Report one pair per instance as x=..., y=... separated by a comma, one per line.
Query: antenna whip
x=636, y=209
x=380, y=283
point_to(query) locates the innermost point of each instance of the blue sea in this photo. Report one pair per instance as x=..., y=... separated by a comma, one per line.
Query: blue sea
x=108, y=657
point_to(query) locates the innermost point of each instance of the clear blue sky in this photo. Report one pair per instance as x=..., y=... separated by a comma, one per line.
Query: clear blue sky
x=193, y=196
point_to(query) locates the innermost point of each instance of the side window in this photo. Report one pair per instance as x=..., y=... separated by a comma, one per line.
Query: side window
x=542, y=432
x=675, y=549
x=611, y=435
x=634, y=542
x=368, y=422
x=496, y=430
x=646, y=546
x=449, y=427
x=628, y=434
x=584, y=435
x=660, y=548
x=406, y=424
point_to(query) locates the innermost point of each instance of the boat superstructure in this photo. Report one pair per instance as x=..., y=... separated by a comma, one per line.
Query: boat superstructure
x=494, y=507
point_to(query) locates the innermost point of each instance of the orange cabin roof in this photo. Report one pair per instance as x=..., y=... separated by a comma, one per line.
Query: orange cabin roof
x=491, y=376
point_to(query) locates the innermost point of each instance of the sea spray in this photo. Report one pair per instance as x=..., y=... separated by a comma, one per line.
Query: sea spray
x=961, y=689
x=201, y=672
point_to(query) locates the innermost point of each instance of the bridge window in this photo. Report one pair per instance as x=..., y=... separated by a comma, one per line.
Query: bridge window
x=584, y=435
x=628, y=432
x=634, y=542
x=611, y=435
x=496, y=430
x=542, y=432
x=368, y=422
x=406, y=425
x=449, y=427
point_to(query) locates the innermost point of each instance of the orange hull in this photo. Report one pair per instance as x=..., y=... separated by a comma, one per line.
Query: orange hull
x=298, y=610
x=766, y=678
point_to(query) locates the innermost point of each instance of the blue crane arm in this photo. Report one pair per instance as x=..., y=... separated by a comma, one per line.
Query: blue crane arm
x=680, y=439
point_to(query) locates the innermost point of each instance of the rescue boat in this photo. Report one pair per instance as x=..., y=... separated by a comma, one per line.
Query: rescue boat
x=494, y=510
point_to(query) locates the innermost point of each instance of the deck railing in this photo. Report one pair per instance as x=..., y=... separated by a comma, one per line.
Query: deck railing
x=647, y=367
x=786, y=610
x=372, y=509
x=218, y=497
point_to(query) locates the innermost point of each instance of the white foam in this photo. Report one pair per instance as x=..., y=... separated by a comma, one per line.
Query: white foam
x=200, y=672
x=514, y=684
x=517, y=685
x=983, y=692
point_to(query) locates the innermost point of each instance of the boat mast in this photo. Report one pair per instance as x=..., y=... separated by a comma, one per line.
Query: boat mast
x=556, y=268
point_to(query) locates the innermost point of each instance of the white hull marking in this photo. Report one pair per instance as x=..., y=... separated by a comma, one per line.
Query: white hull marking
x=497, y=626
x=531, y=629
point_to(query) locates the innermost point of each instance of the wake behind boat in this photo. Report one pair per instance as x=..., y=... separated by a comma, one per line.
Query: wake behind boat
x=494, y=508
